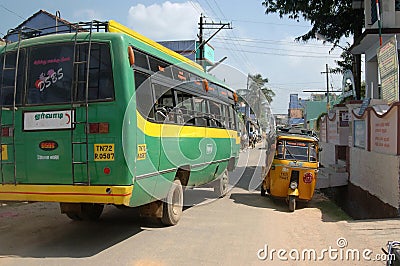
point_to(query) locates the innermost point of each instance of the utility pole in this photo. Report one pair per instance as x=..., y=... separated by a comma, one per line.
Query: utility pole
x=327, y=86
x=201, y=47
x=204, y=25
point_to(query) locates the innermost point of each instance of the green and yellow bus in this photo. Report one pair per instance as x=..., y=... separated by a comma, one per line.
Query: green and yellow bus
x=104, y=115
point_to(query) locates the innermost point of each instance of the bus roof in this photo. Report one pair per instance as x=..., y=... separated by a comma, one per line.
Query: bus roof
x=115, y=27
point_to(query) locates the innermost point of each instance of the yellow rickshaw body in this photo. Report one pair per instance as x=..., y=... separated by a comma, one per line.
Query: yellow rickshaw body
x=296, y=159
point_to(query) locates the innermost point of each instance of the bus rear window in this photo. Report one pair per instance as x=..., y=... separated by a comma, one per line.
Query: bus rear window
x=52, y=74
x=7, y=78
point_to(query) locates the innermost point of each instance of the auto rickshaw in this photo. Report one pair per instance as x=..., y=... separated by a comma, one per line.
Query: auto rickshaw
x=294, y=170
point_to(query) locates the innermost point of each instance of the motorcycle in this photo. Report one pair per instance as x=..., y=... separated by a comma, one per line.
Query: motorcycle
x=393, y=253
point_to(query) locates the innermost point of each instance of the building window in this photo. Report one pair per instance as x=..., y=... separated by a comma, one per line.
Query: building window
x=374, y=15
x=397, y=5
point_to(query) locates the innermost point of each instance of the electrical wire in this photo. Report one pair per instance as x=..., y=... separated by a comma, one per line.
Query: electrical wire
x=192, y=48
x=270, y=23
x=12, y=12
x=199, y=11
x=240, y=56
x=273, y=42
x=279, y=49
x=281, y=54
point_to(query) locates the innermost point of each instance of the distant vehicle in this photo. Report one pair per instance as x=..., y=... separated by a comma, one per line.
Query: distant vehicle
x=393, y=253
x=294, y=169
x=105, y=115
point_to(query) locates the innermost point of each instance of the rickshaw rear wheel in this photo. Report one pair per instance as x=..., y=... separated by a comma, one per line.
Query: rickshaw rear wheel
x=292, y=203
x=263, y=191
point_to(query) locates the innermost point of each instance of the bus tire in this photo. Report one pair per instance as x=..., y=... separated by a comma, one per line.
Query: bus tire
x=87, y=212
x=221, y=185
x=73, y=216
x=91, y=211
x=173, y=204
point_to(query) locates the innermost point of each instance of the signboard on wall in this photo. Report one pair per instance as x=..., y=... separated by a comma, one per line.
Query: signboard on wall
x=384, y=133
x=389, y=70
x=344, y=118
x=359, y=133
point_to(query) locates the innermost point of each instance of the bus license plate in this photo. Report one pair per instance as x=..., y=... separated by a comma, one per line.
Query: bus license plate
x=104, y=152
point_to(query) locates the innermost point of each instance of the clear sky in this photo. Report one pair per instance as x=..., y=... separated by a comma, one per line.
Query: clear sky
x=258, y=43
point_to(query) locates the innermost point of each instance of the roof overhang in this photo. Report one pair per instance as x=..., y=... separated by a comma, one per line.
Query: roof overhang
x=370, y=38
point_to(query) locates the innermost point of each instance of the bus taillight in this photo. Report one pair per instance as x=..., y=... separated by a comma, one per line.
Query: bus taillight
x=101, y=128
x=107, y=170
x=6, y=132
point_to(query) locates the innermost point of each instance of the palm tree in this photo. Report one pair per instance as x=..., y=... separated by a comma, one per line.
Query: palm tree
x=257, y=104
x=259, y=82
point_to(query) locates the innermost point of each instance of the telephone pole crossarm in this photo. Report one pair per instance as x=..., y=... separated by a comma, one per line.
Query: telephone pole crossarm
x=218, y=26
x=327, y=86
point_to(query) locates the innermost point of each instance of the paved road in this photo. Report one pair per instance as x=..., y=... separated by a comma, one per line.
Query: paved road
x=235, y=230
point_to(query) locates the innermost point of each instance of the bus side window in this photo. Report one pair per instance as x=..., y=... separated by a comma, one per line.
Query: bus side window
x=141, y=59
x=164, y=103
x=226, y=116
x=144, y=97
x=215, y=114
x=200, y=108
x=160, y=67
x=184, y=108
x=232, y=118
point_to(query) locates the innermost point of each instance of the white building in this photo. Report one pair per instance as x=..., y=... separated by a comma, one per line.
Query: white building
x=363, y=140
x=369, y=42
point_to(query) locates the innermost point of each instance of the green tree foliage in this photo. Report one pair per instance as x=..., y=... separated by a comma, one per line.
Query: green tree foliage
x=331, y=18
x=345, y=64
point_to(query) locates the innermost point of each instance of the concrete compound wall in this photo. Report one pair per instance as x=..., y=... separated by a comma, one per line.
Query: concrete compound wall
x=327, y=156
x=376, y=173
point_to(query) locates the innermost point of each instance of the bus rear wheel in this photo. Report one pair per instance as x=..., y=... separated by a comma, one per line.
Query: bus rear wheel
x=82, y=211
x=173, y=204
x=221, y=185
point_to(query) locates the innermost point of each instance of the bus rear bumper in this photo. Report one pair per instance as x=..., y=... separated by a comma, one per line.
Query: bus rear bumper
x=119, y=195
